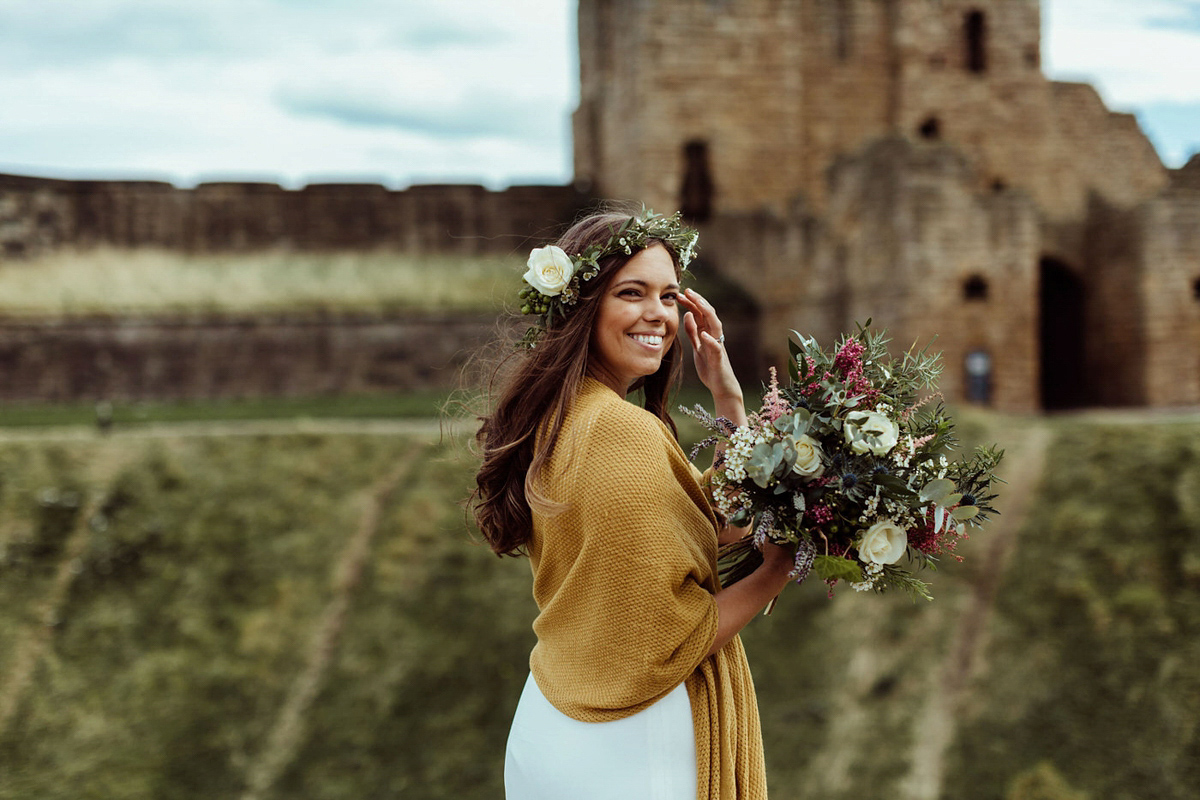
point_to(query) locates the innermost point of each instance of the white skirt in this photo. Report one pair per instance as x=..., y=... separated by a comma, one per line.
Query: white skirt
x=650, y=755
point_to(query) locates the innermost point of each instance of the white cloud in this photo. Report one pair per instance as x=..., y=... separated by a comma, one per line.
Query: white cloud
x=404, y=91
x=1137, y=53
x=289, y=88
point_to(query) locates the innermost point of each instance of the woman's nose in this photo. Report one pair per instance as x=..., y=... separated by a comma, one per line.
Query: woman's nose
x=656, y=309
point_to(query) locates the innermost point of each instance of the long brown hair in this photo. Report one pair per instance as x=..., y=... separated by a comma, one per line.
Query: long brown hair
x=540, y=386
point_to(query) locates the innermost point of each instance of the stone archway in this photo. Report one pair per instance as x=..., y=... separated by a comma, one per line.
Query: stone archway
x=1061, y=338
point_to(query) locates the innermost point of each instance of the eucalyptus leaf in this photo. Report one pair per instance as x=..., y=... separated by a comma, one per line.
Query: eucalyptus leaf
x=760, y=466
x=963, y=513
x=936, y=489
x=950, y=499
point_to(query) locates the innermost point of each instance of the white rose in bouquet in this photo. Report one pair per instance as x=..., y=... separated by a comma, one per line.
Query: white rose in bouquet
x=808, y=457
x=870, y=432
x=882, y=543
x=550, y=270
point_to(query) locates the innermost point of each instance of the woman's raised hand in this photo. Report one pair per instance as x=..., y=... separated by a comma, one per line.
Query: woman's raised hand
x=706, y=333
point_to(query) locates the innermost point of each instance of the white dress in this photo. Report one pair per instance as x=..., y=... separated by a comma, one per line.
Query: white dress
x=648, y=756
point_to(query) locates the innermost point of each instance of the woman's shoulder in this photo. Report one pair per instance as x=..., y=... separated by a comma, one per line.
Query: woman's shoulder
x=602, y=414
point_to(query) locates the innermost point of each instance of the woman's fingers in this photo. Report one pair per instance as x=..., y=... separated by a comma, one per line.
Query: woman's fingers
x=693, y=333
x=708, y=320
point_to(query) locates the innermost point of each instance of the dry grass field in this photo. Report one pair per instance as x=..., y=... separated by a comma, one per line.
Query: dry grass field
x=149, y=281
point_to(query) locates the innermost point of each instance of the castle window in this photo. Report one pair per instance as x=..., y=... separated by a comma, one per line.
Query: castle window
x=1196, y=289
x=931, y=129
x=696, y=193
x=975, y=30
x=975, y=288
x=1033, y=56
x=844, y=29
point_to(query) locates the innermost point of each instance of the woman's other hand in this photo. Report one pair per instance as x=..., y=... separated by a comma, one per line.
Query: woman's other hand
x=704, y=330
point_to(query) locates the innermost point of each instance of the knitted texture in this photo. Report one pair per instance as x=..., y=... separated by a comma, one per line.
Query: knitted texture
x=625, y=572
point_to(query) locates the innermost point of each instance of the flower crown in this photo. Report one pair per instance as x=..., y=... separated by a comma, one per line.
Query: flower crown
x=553, y=278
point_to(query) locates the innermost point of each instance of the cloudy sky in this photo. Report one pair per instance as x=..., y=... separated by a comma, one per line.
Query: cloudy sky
x=413, y=91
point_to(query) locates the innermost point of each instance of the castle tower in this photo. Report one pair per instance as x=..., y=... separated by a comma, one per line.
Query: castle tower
x=735, y=106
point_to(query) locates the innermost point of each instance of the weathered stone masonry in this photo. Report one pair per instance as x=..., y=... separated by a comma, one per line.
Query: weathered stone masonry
x=906, y=160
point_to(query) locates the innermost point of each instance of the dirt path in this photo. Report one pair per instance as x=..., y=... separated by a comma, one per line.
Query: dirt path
x=287, y=734
x=934, y=725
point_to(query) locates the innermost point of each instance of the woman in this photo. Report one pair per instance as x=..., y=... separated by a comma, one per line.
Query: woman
x=638, y=683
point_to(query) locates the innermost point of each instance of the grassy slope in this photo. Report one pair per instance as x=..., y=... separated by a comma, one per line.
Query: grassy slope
x=208, y=563
x=1095, y=661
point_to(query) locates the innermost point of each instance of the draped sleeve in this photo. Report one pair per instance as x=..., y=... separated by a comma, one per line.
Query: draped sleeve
x=624, y=563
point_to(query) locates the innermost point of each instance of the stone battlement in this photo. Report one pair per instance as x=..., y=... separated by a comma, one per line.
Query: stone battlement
x=37, y=214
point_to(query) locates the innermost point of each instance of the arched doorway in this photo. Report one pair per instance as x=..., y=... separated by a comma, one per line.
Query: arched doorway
x=1061, y=337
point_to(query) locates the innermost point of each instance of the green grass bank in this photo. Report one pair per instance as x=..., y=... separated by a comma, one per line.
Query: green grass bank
x=302, y=615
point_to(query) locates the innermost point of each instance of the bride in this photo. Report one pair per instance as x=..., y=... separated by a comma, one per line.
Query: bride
x=638, y=685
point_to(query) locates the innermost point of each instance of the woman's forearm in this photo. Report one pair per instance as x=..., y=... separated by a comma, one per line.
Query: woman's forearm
x=738, y=604
x=731, y=406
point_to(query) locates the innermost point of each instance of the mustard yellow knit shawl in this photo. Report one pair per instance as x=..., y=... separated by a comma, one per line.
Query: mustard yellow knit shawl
x=624, y=577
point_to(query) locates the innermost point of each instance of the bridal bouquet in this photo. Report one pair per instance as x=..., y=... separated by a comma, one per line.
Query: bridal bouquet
x=852, y=466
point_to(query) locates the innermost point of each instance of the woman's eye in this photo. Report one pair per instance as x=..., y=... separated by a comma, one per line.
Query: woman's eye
x=670, y=297
x=630, y=293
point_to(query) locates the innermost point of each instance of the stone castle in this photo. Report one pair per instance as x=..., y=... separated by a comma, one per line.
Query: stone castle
x=903, y=160
x=906, y=160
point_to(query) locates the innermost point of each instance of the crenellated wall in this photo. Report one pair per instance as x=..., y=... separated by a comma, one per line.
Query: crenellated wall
x=37, y=214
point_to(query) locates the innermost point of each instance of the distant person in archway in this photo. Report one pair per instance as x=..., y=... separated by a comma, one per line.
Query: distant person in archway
x=639, y=685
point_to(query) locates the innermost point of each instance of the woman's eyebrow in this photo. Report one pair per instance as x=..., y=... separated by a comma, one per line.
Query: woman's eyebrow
x=643, y=283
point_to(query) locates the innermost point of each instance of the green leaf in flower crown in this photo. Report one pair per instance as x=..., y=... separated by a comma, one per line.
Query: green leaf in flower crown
x=963, y=513
x=935, y=490
x=950, y=499
x=836, y=568
x=741, y=518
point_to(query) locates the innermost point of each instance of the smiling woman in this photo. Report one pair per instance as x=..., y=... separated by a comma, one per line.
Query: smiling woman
x=638, y=683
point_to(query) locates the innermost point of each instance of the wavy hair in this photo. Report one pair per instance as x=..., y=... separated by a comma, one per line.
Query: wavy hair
x=539, y=388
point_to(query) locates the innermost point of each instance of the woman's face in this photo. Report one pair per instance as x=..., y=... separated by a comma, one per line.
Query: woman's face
x=637, y=320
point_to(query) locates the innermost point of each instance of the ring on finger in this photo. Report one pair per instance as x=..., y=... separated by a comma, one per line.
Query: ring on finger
x=721, y=339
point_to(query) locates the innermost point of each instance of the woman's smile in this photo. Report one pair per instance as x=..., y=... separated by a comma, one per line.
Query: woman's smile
x=652, y=340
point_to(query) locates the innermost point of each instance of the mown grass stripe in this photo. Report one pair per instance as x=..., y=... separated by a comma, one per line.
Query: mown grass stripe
x=38, y=636
x=287, y=734
x=936, y=723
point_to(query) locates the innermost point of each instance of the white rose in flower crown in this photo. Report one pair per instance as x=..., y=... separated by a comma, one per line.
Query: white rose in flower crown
x=808, y=457
x=882, y=543
x=870, y=432
x=550, y=270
